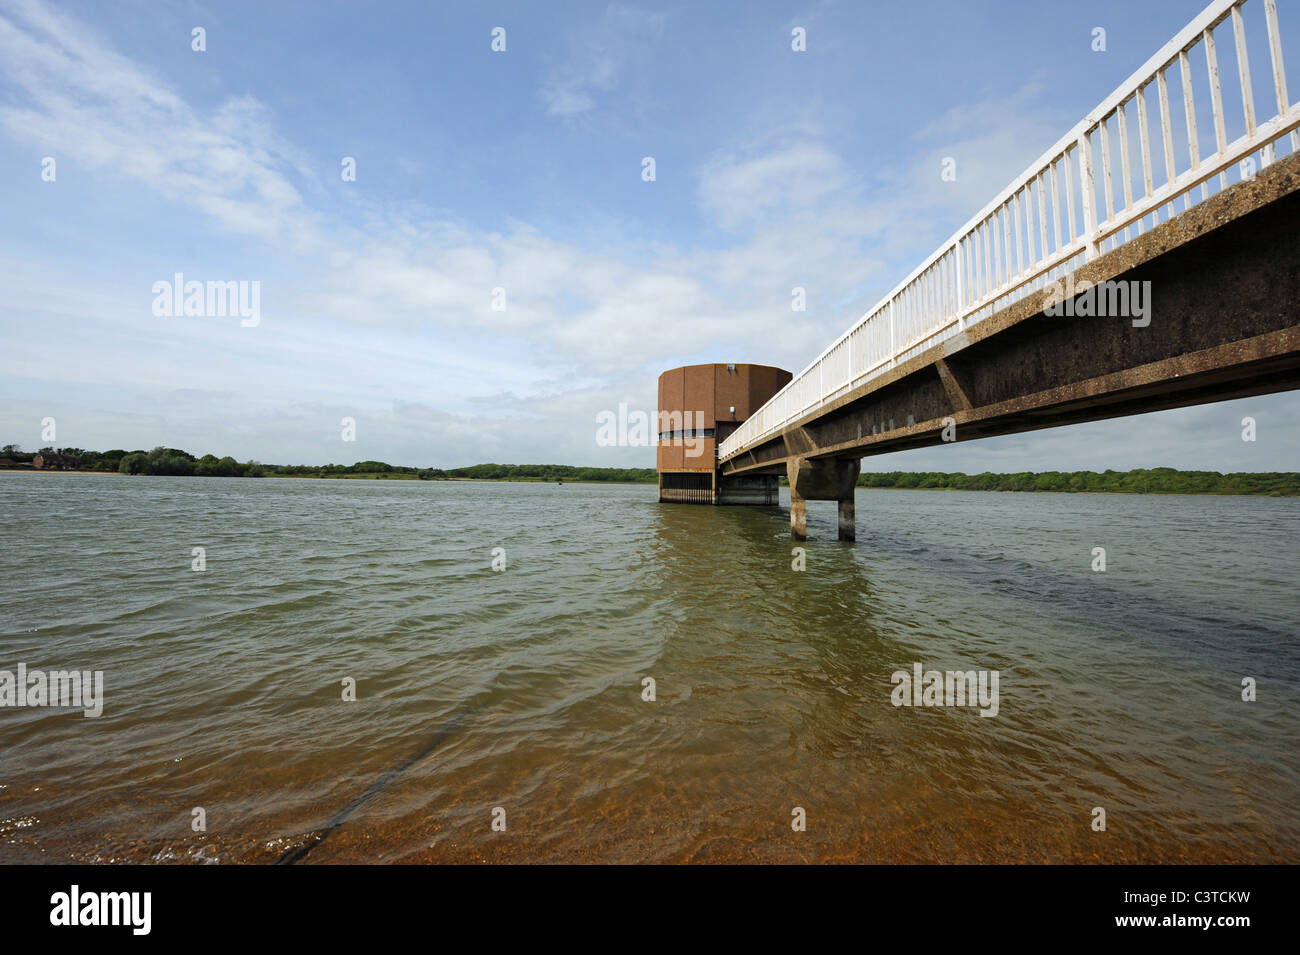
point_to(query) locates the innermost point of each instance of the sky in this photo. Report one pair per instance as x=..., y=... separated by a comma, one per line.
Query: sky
x=499, y=271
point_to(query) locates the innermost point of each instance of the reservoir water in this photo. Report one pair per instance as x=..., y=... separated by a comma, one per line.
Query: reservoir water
x=521, y=690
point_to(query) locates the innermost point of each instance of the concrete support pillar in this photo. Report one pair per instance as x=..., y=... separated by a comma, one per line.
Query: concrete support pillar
x=821, y=479
x=798, y=517
x=848, y=520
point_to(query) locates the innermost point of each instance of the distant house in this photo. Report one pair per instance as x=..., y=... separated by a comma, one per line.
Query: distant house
x=56, y=459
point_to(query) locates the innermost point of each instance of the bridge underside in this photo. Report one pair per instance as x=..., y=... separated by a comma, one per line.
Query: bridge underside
x=1224, y=323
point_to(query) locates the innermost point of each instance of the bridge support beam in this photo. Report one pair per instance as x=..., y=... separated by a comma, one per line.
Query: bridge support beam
x=822, y=479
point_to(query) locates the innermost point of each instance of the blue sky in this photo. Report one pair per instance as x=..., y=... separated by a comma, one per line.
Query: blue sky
x=521, y=170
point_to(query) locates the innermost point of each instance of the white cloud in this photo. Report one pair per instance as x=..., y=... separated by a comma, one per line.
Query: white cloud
x=91, y=104
x=598, y=58
x=791, y=180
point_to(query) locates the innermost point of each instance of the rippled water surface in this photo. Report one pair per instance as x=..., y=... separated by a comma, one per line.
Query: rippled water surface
x=523, y=689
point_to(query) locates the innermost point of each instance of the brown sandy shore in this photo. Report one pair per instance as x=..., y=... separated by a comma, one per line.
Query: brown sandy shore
x=628, y=834
x=432, y=820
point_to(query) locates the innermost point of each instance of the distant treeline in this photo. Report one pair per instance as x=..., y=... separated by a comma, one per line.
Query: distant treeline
x=174, y=461
x=553, y=472
x=1141, y=481
x=479, y=472
x=158, y=461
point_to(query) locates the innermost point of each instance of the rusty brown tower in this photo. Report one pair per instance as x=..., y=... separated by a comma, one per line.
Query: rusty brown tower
x=699, y=406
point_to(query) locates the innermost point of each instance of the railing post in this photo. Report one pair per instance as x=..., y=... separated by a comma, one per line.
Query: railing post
x=893, y=356
x=961, y=302
x=1089, y=197
x=1279, y=72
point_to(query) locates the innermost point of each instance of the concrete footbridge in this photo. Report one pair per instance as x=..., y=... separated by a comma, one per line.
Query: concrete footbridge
x=1149, y=259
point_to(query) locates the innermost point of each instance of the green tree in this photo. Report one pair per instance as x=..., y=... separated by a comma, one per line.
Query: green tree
x=134, y=463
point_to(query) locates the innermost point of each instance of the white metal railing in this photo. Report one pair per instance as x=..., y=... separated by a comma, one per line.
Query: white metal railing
x=1057, y=215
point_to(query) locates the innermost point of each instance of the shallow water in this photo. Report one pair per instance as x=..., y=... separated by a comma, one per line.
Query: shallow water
x=522, y=689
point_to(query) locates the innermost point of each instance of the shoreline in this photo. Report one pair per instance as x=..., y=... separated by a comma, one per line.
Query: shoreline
x=390, y=476
x=460, y=480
